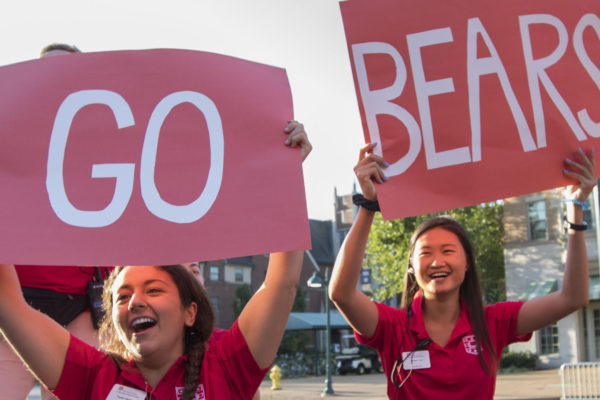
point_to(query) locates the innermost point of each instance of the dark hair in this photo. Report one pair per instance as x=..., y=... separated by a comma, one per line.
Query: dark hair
x=470, y=290
x=195, y=337
x=60, y=46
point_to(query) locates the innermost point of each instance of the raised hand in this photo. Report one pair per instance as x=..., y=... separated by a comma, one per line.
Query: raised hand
x=297, y=138
x=584, y=171
x=369, y=171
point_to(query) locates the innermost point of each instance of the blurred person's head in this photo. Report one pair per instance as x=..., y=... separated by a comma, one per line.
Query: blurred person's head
x=194, y=268
x=58, y=48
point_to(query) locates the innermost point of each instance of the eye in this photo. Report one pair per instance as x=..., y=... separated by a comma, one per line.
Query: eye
x=154, y=290
x=122, y=298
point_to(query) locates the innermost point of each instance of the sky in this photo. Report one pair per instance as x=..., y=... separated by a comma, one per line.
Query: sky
x=306, y=37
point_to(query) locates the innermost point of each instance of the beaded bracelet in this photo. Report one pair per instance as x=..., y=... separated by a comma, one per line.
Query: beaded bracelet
x=583, y=205
x=371, y=205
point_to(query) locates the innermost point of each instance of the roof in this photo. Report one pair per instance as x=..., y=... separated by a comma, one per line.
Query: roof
x=538, y=289
x=321, y=236
x=241, y=261
x=299, y=321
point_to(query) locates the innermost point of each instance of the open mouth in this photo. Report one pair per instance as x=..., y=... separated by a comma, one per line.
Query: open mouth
x=439, y=275
x=141, y=324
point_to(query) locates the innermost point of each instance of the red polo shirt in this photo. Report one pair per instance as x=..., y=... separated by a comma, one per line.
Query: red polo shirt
x=228, y=372
x=69, y=280
x=455, y=371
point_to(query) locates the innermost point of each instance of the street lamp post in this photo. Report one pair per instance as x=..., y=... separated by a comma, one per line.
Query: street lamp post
x=316, y=281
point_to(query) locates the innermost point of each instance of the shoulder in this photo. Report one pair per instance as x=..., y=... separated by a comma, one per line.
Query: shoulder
x=84, y=366
x=501, y=319
x=389, y=313
x=391, y=320
x=217, y=334
x=504, y=309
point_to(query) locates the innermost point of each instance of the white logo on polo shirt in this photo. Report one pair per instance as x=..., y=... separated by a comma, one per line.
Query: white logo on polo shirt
x=199, y=392
x=470, y=344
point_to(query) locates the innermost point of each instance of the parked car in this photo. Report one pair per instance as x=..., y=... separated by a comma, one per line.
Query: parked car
x=356, y=358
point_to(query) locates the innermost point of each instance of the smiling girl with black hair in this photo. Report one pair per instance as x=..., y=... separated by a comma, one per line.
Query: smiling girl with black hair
x=443, y=342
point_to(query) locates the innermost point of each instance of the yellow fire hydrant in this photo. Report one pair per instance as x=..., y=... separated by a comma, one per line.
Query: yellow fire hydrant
x=275, y=376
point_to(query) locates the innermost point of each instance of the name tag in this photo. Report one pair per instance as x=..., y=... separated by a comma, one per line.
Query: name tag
x=120, y=392
x=417, y=360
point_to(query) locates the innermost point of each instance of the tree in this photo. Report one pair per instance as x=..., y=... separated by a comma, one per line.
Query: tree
x=242, y=295
x=295, y=341
x=387, y=249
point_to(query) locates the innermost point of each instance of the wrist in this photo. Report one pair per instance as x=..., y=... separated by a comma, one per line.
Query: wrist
x=574, y=226
x=584, y=206
x=360, y=200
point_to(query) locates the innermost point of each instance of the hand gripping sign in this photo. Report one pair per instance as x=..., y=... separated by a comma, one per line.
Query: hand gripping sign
x=146, y=157
x=474, y=100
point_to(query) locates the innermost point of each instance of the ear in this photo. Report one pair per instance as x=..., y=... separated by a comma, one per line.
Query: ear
x=190, y=314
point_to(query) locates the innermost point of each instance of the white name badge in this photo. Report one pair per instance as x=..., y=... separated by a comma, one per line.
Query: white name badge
x=417, y=360
x=120, y=392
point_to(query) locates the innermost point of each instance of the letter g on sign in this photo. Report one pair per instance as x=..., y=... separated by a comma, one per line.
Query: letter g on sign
x=123, y=173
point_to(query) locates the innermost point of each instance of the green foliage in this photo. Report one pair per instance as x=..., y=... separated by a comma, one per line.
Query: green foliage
x=299, y=301
x=295, y=341
x=242, y=295
x=387, y=250
x=518, y=360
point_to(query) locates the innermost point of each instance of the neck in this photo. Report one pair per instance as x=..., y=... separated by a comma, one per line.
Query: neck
x=154, y=370
x=440, y=317
x=444, y=309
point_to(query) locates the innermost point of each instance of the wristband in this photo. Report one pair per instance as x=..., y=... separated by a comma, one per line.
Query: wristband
x=583, y=205
x=371, y=205
x=575, y=227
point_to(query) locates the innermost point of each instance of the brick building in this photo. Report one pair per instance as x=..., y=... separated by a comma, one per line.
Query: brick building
x=223, y=277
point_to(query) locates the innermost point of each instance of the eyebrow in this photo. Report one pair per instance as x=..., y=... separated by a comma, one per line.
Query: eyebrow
x=146, y=283
x=442, y=245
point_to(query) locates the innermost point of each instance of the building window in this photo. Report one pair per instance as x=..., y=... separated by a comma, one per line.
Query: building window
x=597, y=332
x=536, y=212
x=214, y=273
x=215, y=305
x=239, y=275
x=549, y=339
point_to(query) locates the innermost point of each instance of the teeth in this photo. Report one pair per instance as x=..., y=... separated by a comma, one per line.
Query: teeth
x=141, y=321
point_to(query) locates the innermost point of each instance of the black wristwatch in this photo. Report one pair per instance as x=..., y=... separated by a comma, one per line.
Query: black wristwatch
x=575, y=227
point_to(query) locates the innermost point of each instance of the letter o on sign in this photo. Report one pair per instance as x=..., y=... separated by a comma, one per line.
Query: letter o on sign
x=195, y=210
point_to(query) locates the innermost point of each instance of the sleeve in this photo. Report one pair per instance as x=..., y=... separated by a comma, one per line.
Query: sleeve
x=503, y=318
x=82, y=364
x=243, y=373
x=387, y=327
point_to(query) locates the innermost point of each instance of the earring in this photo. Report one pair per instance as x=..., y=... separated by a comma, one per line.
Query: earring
x=410, y=270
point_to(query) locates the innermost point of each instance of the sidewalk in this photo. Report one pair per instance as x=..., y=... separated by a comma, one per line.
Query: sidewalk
x=538, y=385
x=534, y=385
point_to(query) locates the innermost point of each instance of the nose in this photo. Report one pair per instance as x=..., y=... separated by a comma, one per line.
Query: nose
x=437, y=260
x=136, y=302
